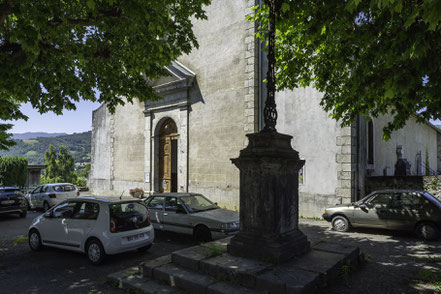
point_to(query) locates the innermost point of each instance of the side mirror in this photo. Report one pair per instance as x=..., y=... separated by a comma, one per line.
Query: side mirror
x=48, y=214
x=363, y=206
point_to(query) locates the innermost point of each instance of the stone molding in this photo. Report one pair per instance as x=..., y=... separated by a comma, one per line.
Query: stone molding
x=346, y=160
x=251, y=70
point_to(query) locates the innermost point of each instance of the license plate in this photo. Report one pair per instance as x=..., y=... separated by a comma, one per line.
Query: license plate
x=8, y=201
x=135, y=237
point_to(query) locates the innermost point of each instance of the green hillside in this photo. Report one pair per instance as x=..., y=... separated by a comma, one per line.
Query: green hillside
x=78, y=144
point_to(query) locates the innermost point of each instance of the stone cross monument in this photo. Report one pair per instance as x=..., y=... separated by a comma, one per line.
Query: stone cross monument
x=269, y=196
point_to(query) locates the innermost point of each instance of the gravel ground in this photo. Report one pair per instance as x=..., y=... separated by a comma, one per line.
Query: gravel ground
x=397, y=262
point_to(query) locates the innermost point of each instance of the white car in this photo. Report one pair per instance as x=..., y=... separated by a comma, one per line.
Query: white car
x=47, y=195
x=95, y=226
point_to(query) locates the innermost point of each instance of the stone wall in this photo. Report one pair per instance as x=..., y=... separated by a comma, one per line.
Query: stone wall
x=431, y=184
x=439, y=152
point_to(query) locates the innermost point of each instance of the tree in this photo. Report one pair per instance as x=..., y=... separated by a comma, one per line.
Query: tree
x=366, y=57
x=59, y=168
x=54, y=53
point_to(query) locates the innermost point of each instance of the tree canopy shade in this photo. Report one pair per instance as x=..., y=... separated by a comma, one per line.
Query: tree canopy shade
x=367, y=57
x=54, y=53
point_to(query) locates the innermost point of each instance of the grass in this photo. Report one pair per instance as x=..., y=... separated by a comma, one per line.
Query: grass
x=20, y=240
x=431, y=277
x=213, y=250
x=312, y=217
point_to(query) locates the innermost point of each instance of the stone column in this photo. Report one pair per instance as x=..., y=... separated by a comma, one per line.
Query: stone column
x=269, y=202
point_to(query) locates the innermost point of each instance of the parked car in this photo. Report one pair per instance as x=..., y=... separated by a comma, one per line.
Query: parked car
x=95, y=226
x=47, y=195
x=192, y=214
x=12, y=200
x=390, y=209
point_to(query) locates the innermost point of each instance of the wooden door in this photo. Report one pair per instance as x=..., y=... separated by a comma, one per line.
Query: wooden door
x=167, y=158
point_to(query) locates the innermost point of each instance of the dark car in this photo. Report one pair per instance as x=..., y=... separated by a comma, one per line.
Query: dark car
x=390, y=209
x=12, y=200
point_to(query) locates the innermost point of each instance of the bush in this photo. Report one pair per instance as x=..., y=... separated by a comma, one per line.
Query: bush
x=13, y=171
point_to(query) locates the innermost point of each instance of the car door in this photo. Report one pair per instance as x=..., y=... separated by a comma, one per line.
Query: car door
x=156, y=211
x=41, y=195
x=82, y=221
x=405, y=211
x=53, y=227
x=175, y=217
x=34, y=196
x=373, y=212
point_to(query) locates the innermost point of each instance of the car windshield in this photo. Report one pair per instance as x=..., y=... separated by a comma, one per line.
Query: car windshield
x=433, y=199
x=128, y=216
x=196, y=203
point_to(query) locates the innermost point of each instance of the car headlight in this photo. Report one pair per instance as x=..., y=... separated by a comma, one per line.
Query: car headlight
x=228, y=226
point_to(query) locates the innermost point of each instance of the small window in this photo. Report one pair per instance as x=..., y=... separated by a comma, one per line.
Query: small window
x=58, y=188
x=171, y=204
x=382, y=199
x=87, y=210
x=157, y=202
x=64, y=210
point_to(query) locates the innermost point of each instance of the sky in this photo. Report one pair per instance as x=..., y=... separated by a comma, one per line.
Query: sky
x=70, y=122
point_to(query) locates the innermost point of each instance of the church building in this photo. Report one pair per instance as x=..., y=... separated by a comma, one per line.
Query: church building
x=212, y=98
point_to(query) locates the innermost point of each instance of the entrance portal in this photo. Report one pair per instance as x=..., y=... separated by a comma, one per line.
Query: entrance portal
x=168, y=157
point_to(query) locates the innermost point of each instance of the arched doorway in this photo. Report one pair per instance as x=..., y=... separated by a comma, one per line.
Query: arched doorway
x=168, y=157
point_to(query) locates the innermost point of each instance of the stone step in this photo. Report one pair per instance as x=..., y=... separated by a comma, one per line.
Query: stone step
x=209, y=269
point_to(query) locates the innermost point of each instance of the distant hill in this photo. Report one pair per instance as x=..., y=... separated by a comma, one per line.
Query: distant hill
x=33, y=149
x=33, y=135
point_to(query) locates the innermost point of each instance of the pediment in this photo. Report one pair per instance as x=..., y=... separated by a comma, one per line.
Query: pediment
x=173, y=88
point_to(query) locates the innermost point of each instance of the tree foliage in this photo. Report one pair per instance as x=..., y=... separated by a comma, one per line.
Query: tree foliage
x=367, y=57
x=54, y=53
x=60, y=167
x=13, y=171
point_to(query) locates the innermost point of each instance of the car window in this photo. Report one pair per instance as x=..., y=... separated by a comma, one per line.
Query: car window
x=64, y=210
x=380, y=200
x=44, y=189
x=156, y=202
x=195, y=203
x=128, y=216
x=407, y=200
x=58, y=188
x=171, y=203
x=68, y=188
x=86, y=210
x=37, y=190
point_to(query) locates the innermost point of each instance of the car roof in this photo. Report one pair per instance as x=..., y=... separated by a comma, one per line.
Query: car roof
x=9, y=188
x=56, y=184
x=176, y=194
x=104, y=200
x=397, y=190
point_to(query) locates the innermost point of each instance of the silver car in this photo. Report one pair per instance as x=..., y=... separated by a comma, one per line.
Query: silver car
x=390, y=209
x=47, y=195
x=192, y=214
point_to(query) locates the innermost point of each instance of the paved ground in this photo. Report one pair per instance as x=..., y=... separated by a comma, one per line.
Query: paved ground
x=395, y=259
x=59, y=271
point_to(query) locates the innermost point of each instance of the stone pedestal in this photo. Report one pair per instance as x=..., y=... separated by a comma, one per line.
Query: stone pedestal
x=269, y=200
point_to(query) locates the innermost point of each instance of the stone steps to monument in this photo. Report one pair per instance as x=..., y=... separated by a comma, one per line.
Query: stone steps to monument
x=209, y=269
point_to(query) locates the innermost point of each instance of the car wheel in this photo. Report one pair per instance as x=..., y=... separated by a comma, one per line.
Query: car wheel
x=427, y=231
x=46, y=206
x=145, y=248
x=202, y=234
x=340, y=223
x=23, y=213
x=34, y=240
x=95, y=251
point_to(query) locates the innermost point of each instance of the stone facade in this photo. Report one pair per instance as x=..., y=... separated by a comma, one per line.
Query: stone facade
x=439, y=152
